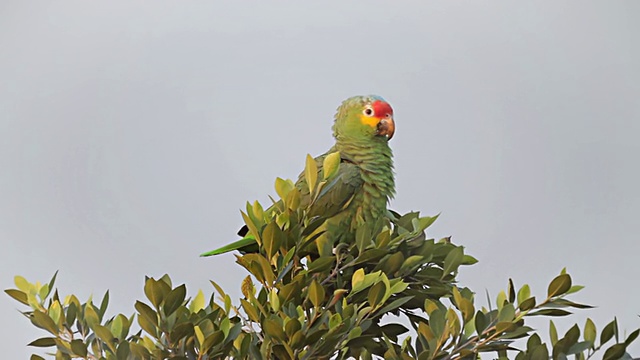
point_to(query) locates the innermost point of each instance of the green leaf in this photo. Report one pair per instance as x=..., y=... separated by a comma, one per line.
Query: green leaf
x=321, y=264
x=632, y=337
x=311, y=173
x=397, y=287
x=457, y=297
x=43, y=321
x=550, y=312
x=283, y=187
x=103, y=304
x=124, y=350
x=259, y=267
x=572, y=335
x=272, y=328
x=560, y=285
x=590, y=331
x=507, y=313
x=615, y=352
x=480, y=322
x=533, y=341
x=360, y=281
x=540, y=353
x=567, y=303
x=392, y=264
x=528, y=304
x=18, y=295
x=524, y=294
x=452, y=261
x=155, y=290
x=257, y=211
x=274, y=300
x=517, y=332
x=335, y=320
x=197, y=303
x=43, y=342
x=376, y=294
x=553, y=333
x=272, y=237
x=370, y=255
x=505, y=326
x=425, y=222
x=467, y=309
x=166, y=279
x=174, y=299
x=574, y=289
x=225, y=325
x=363, y=238
x=355, y=333
x=393, y=330
x=199, y=334
x=250, y=310
x=55, y=310
x=437, y=322
x=501, y=299
x=512, y=291
x=247, y=288
x=146, y=312
x=608, y=332
x=218, y=288
x=292, y=326
x=469, y=260
x=331, y=164
x=105, y=335
x=22, y=284
x=253, y=230
x=120, y=326
x=578, y=347
x=79, y=348
x=316, y=293
x=394, y=304
x=411, y=263
x=233, y=333
x=91, y=316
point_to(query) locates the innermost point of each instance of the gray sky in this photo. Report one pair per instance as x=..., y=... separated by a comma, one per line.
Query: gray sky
x=133, y=132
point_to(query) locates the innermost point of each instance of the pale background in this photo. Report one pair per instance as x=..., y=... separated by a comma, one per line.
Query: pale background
x=131, y=133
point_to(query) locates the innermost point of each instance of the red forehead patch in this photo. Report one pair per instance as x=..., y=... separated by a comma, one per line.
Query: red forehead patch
x=381, y=108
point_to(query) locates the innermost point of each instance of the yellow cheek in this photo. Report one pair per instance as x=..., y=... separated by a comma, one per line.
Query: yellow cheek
x=369, y=120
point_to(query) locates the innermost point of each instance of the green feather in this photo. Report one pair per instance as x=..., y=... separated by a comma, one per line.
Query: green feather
x=244, y=243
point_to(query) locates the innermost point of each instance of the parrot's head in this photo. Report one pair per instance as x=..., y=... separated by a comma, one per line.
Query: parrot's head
x=364, y=117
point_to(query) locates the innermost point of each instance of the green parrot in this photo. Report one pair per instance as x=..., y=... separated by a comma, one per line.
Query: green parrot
x=364, y=182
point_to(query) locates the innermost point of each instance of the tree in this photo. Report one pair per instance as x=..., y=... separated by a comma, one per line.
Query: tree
x=299, y=305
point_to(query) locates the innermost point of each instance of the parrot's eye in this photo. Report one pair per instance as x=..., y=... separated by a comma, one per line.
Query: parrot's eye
x=368, y=111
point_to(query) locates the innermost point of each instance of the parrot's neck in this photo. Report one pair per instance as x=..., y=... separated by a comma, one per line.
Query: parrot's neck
x=375, y=161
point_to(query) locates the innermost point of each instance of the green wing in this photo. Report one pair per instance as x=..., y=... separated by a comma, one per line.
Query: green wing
x=333, y=198
x=336, y=194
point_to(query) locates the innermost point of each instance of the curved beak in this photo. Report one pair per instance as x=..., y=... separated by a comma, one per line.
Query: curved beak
x=386, y=127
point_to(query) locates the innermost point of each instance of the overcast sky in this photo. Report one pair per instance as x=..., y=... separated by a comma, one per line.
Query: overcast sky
x=131, y=133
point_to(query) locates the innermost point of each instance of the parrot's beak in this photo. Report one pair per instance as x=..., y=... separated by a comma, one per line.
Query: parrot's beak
x=386, y=127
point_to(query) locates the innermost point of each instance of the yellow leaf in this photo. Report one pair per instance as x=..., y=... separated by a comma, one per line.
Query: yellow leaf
x=199, y=334
x=311, y=173
x=197, y=303
x=331, y=164
x=22, y=283
x=357, y=278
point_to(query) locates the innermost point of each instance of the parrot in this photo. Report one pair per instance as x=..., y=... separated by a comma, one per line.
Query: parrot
x=364, y=182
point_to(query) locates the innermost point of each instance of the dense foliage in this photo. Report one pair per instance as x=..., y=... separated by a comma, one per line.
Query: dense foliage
x=302, y=302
